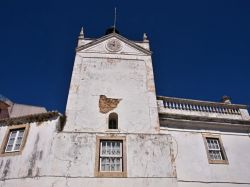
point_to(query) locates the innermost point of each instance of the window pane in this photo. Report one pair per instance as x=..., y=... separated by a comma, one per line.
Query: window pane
x=108, y=148
x=20, y=134
x=11, y=141
x=118, y=164
x=8, y=148
x=116, y=150
x=103, y=148
x=112, y=164
x=17, y=147
x=13, y=134
x=105, y=165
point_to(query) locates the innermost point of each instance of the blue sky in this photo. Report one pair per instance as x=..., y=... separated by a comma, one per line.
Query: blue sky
x=200, y=48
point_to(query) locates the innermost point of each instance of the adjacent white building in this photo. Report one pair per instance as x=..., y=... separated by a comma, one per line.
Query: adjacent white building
x=116, y=131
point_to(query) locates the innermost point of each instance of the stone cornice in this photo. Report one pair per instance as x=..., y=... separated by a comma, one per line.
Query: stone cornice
x=125, y=40
x=202, y=122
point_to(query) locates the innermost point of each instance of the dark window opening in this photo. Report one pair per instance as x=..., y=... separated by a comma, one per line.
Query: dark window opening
x=113, y=121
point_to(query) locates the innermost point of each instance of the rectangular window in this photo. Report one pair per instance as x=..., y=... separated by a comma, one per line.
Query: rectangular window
x=14, y=140
x=215, y=151
x=110, y=157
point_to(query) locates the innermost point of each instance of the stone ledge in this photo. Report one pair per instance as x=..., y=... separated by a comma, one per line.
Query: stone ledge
x=203, y=118
x=198, y=122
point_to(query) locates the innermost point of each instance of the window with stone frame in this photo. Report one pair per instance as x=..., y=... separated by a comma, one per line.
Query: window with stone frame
x=111, y=157
x=14, y=139
x=215, y=151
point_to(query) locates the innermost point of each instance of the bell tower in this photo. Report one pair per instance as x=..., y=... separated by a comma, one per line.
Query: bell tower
x=112, y=76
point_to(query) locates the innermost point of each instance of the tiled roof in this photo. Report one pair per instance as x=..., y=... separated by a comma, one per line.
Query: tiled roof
x=2, y=98
x=29, y=118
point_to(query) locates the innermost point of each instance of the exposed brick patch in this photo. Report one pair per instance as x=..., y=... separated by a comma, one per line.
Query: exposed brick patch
x=107, y=104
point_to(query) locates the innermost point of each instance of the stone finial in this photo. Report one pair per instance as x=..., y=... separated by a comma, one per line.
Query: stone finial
x=81, y=35
x=145, y=37
x=81, y=38
x=226, y=99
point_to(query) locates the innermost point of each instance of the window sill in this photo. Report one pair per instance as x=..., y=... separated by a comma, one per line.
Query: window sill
x=112, y=130
x=111, y=174
x=14, y=153
x=218, y=162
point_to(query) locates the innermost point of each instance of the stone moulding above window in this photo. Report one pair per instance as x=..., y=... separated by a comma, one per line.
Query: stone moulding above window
x=119, y=141
x=18, y=132
x=215, y=150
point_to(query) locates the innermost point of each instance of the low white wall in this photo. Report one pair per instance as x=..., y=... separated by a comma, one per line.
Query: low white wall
x=192, y=162
x=52, y=158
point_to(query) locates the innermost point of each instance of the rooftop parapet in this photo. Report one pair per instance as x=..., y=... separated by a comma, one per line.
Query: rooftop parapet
x=189, y=107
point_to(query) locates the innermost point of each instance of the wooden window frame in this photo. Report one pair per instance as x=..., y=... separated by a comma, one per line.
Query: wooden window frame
x=117, y=174
x=210, y=161
x=6, y=138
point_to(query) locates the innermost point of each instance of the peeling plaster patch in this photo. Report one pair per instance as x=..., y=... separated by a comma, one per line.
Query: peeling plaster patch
x=112, y=61
x=40, y=155
x=173, y=157
x=74, y=88
x=33, y=158
x=6, y=169
x=79, y=143
x=79, y=67
x=150, y=85
x=107, y=104
x=141, y=136
x=37, y=172
x=1, y=164
x=54, y=183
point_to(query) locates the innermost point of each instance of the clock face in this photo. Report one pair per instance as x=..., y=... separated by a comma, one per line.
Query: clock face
x=114, y=45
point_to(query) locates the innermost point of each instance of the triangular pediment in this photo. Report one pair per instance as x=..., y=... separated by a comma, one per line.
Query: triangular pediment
x=113, y=43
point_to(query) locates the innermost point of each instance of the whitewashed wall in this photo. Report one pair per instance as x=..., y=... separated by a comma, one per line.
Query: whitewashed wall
x=52, y=158
x=33, y=160
x=126, y=75
x=192, y=164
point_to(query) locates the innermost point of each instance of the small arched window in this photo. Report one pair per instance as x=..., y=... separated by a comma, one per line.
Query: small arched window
x=113, y=121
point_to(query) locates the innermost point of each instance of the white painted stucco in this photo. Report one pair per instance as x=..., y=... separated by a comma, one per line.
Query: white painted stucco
x=193, y=168
x=126, y=75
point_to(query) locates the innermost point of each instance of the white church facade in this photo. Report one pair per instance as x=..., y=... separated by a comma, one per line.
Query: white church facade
x=117, y=132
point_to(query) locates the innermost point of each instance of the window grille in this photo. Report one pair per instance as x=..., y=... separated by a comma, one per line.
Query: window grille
x=111, y=156
x=214, y=149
